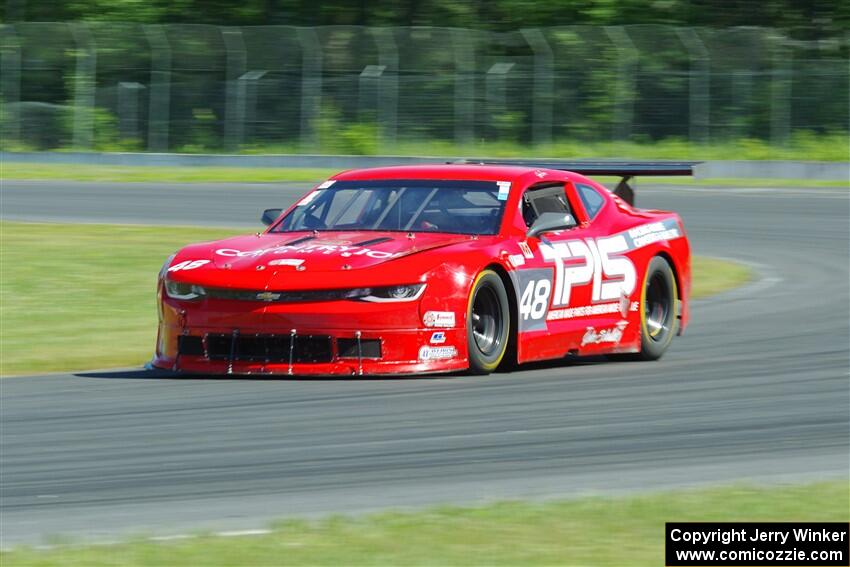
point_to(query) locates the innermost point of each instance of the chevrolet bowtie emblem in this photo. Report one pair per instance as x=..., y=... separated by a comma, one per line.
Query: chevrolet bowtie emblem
x=268, y=296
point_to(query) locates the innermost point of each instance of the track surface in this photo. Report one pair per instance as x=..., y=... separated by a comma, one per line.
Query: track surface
x=757, y=389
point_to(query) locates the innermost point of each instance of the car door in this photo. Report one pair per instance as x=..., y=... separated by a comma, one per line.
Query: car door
x=571, y=280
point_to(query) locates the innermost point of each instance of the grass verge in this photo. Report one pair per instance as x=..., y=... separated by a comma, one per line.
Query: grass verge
x=588, y=531
x=711, y=276
x=80, y=296
x=214, y=174
x=153, y=174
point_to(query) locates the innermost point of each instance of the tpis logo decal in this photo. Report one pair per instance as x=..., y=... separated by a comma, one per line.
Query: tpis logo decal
x=599, y=262
x=577, y=262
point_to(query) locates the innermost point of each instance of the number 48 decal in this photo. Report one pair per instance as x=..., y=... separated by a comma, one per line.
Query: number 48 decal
x=535, y=299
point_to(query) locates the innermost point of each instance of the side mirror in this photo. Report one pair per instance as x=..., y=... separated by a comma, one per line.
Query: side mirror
x=270, y=215
x=547, y=222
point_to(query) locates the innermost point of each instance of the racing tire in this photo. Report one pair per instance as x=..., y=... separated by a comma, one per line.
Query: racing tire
x=488, y=323
x=659, y=304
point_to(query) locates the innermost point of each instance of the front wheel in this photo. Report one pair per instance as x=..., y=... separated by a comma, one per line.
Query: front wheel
x=487, y=323
x=658, y=316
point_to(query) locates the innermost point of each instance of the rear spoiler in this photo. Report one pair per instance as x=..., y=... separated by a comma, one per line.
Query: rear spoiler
x=626, y=170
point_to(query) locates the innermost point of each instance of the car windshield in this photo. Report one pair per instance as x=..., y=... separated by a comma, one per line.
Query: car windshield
x=462, y=207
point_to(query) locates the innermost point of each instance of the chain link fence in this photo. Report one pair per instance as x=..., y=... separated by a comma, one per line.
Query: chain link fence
x=349, y=89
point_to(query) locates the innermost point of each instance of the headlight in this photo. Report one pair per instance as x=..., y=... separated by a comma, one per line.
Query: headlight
x=184, y=291
x=393, y=293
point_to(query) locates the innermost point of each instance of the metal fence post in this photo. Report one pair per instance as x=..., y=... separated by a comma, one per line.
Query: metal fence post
x=742, y=94
x=699, y=85
x=247, y=102
x=160, y=89
x=544, y=86
x=625, y=88
x=234, y=125
x=780, y=90
x=84, y=86
x=387, y=87
x=10, y=82
x=128, y=109
x=496, y=95
x=464, y=88
x=311, y=87
x=367, y=92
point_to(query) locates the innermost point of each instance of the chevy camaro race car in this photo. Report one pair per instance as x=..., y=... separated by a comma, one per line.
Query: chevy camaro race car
x=434, y=268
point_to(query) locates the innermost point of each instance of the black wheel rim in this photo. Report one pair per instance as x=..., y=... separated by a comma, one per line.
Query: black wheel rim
x=487, y=321
x=657, y=307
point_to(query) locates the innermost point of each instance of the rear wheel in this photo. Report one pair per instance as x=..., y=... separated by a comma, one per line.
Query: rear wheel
x=659, y=305
x=487, y=323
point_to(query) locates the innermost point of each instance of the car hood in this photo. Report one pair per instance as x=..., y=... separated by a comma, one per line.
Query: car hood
x=291, y=260
x=328, y=252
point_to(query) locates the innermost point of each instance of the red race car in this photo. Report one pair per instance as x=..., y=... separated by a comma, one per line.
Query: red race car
x=433, y=268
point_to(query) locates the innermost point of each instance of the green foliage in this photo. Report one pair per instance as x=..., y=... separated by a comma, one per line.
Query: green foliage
x=806, y=17
x=625, y=530
x=362, y=139
x=337, y=137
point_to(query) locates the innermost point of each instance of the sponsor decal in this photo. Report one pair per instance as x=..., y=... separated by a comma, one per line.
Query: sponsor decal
x=526, y=250
x=327, y=183
x=516, y=260
x=539, y=173
x=438, y=338
x=612, y=335
x=287, y=262
x=600, y=263
x=439, y=319
x=268, y=296
x=437, y=353
x=188, y=265
x=311, y=248
x=588, y=310
x=583, y=311
x=504, y=190
x=653, y=232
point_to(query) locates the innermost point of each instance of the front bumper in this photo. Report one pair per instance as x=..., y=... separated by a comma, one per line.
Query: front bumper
x=344, y=339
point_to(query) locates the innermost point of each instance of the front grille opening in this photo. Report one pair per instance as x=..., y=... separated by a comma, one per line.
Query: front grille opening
x=269, y=348
x=369, y=348
x=189, y=345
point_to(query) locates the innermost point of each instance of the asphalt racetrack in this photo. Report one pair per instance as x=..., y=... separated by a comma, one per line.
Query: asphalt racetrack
x=756, y=390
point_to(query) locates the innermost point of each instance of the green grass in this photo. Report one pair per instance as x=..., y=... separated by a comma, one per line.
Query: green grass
x=151, y=174
x=80, y=296
x=63, y=172
x=360, y=139
x=711, y=276
x=587, y=531
x=806, y=146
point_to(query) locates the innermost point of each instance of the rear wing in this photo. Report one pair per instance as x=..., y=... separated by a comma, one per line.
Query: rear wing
x=626, y=170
